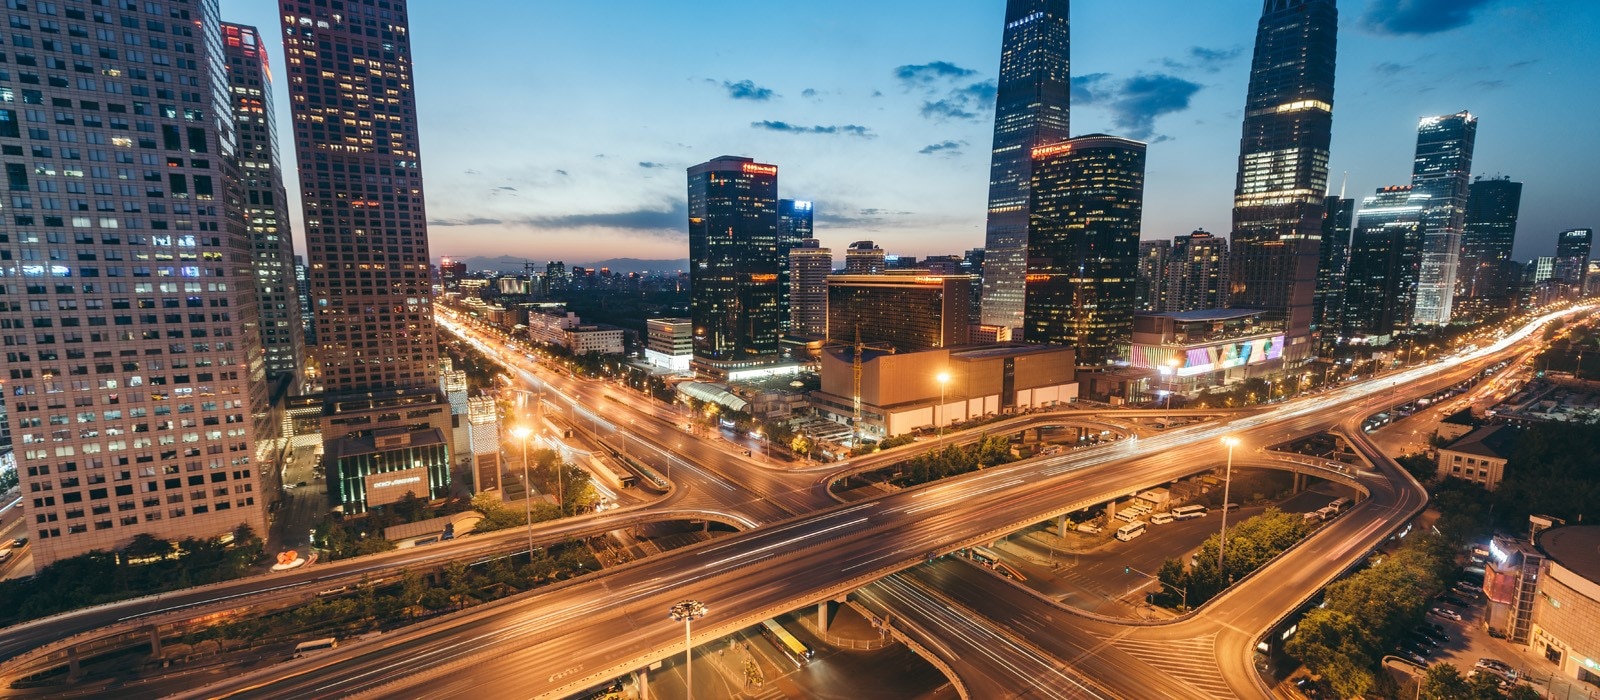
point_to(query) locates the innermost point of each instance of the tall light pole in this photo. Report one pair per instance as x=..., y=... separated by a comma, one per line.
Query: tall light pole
x=687, y=611
x=1227, y=482
x=521, y=433
x=944, y=381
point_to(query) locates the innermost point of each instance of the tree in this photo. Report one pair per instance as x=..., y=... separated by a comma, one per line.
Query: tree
x=147, y=546
x=801, y=445
x=1483, y=686
x=1443, y=682
x=1334, y=645
x=1523, y=692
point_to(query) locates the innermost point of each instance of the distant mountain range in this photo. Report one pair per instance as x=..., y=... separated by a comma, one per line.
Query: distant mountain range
x=510, y=263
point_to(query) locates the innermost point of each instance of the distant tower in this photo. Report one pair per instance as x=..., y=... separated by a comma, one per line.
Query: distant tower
x=1333, y=265
x=1150, y=286
x=1485, y=280
x=1031, y=109
x=734, y=298
x=1197, y=274
x=1083, y=244
x=1572, y=260
x=1283, y=166
x=809, y=267
x=1440, y=179
x=794, y=226
x=864, y=258
x=1384, y=257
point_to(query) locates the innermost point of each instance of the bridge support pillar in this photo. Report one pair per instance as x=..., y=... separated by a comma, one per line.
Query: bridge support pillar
x=642, y=677
x=155, y=641
x=824, y=614
x=1299, y=482
x=1111, y=512
x=72, y=663
x=1061, y=526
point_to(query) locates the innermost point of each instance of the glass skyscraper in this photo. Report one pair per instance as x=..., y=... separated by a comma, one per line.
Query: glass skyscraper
x=1441, y=174
x=1384, y=256
x=1572, y=260
x=1031, y=110
x=1333, y=265
x=1083, y=244
x=735, y=299
x=1283, y=165
x=1486, y=280
x=794, y=226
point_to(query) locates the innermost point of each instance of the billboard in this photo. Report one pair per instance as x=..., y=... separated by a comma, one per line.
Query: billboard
x=390, y=487
x=1204, y=359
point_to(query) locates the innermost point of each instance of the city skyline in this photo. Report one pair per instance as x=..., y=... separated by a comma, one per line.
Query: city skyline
x=856, y=155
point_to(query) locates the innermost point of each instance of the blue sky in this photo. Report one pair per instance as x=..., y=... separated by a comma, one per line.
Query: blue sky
x=562, y=129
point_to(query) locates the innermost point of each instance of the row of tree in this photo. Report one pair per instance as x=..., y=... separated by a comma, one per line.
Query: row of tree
x=953, y=460
x=1251, y=543
x=1443, y=682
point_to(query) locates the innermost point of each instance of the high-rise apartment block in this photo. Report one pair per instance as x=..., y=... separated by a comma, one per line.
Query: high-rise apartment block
x=1197, y=273
x=864, y=258
x=1283, y=165
x=1150, y=284
x=1333, y=266
x=909, y=309
x=1486, y=280
x=266, y=205
x=1083, y=244
x=134, y=370
x=386, y=426
x=1384, y=256
x=1031, y=110
x=794, y=226
x=1440, y=180
x=809, y=267
x=734, y=260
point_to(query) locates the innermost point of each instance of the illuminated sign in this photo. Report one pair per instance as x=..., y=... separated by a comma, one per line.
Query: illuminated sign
x=1211, y=358
x=397, y=482
x=755, y=169
x=389, y=487
x=763, y=278
x=1053, y=149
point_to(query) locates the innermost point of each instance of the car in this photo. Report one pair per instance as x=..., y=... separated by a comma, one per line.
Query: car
x=1436, y=636
x=1422, y=641
x=1446, y=613
x=19, y=543
x=1415, y=658
x=1454, y=600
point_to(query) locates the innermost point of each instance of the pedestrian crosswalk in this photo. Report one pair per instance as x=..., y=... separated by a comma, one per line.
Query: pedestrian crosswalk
x=1192, y=661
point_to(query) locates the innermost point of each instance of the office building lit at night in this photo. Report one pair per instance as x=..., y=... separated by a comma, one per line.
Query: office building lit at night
x=735, y=297
x=1440, y=179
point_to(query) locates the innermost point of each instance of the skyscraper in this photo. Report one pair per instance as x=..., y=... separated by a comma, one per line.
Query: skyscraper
x=355, y=133
x=734, y=296
x=1283, y=165
x=1333, y=266
x=909, y=309
x=1441, y=175
x=1384, y=256
x=137, y=393
x=1150, y=281
x=794, y=226
x=1486, y=281
x=1031, y=110
x=1083, y=244
x=864, y=258
x=809, y=267
x=265, y=201
x=1197, y=274
x=1572, y=260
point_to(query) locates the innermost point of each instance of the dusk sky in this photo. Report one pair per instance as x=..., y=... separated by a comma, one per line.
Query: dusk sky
x=561, y=130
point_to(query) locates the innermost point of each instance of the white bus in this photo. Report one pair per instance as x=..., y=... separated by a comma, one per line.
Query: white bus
x=1188, y=512
x=1340, y=505
x=1161, y=518
x=984, y=555
x=314, y=645
x=1131, y=530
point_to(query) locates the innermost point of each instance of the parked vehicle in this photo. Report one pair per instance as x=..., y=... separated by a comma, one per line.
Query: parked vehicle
x=1446, y=613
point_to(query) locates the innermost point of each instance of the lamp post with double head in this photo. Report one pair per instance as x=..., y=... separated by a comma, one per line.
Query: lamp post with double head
x=687, y=611
x=1227, y=483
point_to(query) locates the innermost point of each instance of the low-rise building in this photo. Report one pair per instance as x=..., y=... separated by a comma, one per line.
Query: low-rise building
x=669, y=343
x=1566, y=607
x=1197, y=350
x=1479, y=456
x=603, y=339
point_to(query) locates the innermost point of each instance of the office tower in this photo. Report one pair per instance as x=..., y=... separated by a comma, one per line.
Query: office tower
x=134, y=370
x=556, y=279
x=355, y=132
x=1384, y=256
x=794, y=226
x=1441, y=174
x=1333, y=266
x=1283, y=166
x=1031, y=110
x=266, y=203
x=1486, y=281
x=909, y=309
x=865, y=258
x=1150, y=284
x=901, y=262
x=1197, y=273
x=302, y=287
x=1572, y=260
x=450, y=272
x=734, y=296
x=1083, y=244
x=809, y=267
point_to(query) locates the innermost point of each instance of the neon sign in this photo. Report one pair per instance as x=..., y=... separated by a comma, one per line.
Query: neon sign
x=755, y=169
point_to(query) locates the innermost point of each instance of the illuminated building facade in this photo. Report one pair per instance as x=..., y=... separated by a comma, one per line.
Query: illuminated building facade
x=794, y=226
x=265, y=201
x=1195, y=350
x=1283, y=165
x=908, y=309
x=135, y=381
x=864, y=258
x=1150, y=280
x=809, y=267
x=1572, y=260
x=1031, y=110
x=1487, y=279
x=1333, y=267
x=735, y=259
x=1384, y=255
x=1083, y=244
x=1197, y=274
x=1441, y=180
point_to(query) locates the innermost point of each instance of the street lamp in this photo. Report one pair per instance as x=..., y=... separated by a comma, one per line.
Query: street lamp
x=687, y=611
x=944, y=381
x=1227, y=483
x=521, y=433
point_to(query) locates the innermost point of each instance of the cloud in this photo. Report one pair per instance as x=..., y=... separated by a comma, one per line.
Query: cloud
x=842, y=129
x=967, y=102
x=472, y=172
x=924, y=73
x=1205, y=59
x=1142, y=98
x=475, y=221
x=943, y=148
x=808, y=92
x=1420, y=17
x=651, y=165
x=673, y=220
x=1084, y=87
x=1390, y=68
x=946, y=109
x=748, y=90
x=506, y=187
x=561, y=172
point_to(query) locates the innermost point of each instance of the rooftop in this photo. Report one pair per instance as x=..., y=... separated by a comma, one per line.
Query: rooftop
x=1209, y=314
x=1490, y=441
x=1576, y=547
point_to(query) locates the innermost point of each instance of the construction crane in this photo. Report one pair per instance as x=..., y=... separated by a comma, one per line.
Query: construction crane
x=857, y=348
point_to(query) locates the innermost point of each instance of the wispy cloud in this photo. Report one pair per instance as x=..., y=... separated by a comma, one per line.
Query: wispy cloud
x=1136, y=102
x=748, y=90
x=948, y=148
x=475, y=221
x=1204, y=59
x=923, y=73
x=651, y=165
x=948, y=89
x=830, y=129
x=1420, y=17
x=671, y=220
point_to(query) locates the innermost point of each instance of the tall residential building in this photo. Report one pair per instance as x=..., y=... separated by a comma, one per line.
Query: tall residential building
x=1572, y=260
x=1083, y=246
x=1197, y=274
x=386, y=425
x=1441, y=173
x=865, y=258
x=794, y=226
x=809, y=267
x=1384, y=256
x=1485, y=280
x=909, y=309
x=1150, y=282
x=1283, y=166
x=1031, y=110
x=734, y=261
x=134, y=371
x=265, y=201
x=1333, y=266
